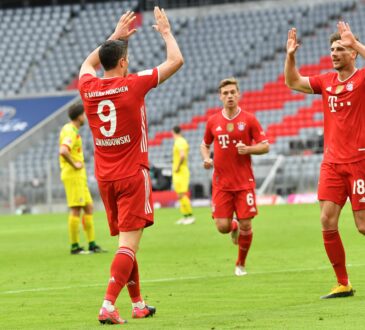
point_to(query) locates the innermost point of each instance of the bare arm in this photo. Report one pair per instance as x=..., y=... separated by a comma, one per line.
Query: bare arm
x=122, y=31
x=205, y=153
x=65, y=153
x=348, y=39
x=174, y=59
x=293, y=79
x=257, y=149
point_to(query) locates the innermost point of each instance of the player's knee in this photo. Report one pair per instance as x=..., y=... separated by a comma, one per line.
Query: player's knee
x=223, y=228
x=361, y=230
x=245, y=226
x=326, y=221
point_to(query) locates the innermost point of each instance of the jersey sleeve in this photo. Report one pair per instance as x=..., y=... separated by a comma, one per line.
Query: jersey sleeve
x=68, y=139
x=316, y=84
x=257, y=133
x=208, y=136
x=146, y=80
x=84, y=81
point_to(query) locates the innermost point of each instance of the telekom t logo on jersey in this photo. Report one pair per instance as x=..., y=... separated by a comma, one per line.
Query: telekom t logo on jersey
x=223, y=140
x=334, y=105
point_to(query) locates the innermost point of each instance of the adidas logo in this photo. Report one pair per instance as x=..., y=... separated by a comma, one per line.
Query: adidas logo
x=131, y=283
x=328, y=89
x=362, y=200
x=112, y=280
x=252, y=209
x=218, y=129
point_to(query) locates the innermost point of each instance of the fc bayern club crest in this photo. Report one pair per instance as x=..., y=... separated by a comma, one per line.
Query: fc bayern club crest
x=350, y=86
x=241, y=126
x=230, y=127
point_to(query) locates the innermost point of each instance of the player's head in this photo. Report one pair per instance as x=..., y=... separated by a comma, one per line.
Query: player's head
x=176, y=130
x=113, y=54
x=341, y=56
x=229, y=92
x=76, y=113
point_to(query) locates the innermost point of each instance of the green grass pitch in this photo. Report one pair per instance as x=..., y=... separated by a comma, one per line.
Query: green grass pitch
x=186, y=272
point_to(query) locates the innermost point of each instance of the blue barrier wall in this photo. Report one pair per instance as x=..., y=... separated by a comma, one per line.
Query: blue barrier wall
x=18, y=116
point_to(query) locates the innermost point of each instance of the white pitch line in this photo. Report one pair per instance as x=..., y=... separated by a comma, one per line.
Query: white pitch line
x=174, y=279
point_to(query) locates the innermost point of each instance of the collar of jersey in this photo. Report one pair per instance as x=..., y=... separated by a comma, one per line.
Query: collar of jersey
x=238, y=112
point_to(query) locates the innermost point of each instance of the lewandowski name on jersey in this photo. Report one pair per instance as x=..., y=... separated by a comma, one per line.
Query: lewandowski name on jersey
x=113, y=142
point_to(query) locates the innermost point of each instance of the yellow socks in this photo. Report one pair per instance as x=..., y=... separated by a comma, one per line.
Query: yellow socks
x=88, y=223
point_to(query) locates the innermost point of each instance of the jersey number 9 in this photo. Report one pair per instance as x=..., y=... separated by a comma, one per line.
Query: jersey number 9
x=111, y=117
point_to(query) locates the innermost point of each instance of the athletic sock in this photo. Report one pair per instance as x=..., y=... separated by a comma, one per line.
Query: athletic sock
x=107, y=304
x=74, y=229
x=120, y=271
x=139, y=304
x=133, y=284
x=185, y=205
x=336, y=254
x=244, y=244
x=75, y=246
x=92, y=245
x=234, y=225
x=88, y=224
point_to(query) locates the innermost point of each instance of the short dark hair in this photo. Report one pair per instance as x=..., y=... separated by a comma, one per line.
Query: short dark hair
x=228, y=81
x=336, y=36
x=75, y=110
x=111, y=51
x=176, y=129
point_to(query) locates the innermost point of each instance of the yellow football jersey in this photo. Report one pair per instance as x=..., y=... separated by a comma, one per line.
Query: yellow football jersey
x=180, y=144
x=69, y=136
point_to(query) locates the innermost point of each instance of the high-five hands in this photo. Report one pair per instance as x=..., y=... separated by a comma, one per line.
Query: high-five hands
x=292, y=43
x=162, y=23
x=347, y=37
x=123, y=29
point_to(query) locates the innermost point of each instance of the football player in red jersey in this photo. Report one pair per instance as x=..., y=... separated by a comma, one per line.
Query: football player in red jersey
x=342, y=173
x=116, y=113
x=237, y=135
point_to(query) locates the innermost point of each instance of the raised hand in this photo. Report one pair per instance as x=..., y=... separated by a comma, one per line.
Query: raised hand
x=347, y=37
x=292, y=43
x=162, y=23
x=123, y=30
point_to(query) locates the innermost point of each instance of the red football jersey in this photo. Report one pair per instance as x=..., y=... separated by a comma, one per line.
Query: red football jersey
x=116, y=113
x=344, y=115
x=231, y=170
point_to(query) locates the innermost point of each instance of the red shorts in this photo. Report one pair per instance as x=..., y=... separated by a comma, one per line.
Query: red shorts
x=128, y=202
x=339, y=181
x=242, y=202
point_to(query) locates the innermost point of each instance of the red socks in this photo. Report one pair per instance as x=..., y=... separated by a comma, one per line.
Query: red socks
x=133, y=284
x=120, y=272
x=244, y=243
x=336, y=254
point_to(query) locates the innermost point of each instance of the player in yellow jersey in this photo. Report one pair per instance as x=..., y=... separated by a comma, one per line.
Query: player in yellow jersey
x=181, y=176
x=73, y=176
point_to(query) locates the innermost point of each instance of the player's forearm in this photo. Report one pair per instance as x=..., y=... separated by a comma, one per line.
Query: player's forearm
x=68, y=159
x=204, y=152
x=180, y=163
x=360, y=48
x=259, y=149
x=174, y=57
x=291, y=72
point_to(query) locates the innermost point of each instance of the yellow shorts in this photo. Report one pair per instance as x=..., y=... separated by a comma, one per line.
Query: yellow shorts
x=180, y=183
x=77, y=192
